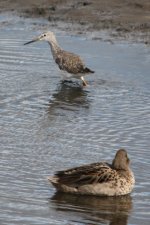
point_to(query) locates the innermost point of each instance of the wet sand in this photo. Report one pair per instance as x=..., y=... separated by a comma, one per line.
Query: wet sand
x=120, y=19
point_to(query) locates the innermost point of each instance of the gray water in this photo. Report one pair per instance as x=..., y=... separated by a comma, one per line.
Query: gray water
x=46, y=126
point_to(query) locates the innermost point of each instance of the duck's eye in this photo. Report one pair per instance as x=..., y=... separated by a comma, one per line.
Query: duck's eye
x=44, y=35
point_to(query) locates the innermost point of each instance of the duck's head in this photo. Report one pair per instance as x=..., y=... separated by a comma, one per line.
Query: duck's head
x=47, y=36
x=121, y=160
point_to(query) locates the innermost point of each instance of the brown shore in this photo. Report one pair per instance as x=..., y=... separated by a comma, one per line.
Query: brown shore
x=124, y=19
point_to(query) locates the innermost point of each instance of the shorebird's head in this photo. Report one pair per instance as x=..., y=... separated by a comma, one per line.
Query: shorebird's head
x=47, y=36
x=121, y=160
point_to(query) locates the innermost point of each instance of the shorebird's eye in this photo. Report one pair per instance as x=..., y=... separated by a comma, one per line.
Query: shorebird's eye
x=44, y=35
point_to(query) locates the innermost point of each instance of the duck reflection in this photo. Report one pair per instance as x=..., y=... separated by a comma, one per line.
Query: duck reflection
x=95, y=210
x=68, y=96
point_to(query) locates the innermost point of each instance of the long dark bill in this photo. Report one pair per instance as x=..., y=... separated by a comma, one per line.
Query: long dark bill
x=29, y=42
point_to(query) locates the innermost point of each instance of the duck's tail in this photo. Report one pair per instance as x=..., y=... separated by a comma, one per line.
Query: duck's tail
x=61, y=187
x=53, y=180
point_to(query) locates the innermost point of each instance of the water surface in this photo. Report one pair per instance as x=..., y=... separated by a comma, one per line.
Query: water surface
x=46, y=126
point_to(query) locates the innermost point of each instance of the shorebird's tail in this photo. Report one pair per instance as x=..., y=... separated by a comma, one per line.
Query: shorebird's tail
x=87, y=70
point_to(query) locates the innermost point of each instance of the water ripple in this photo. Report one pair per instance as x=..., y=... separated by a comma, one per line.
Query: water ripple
x=47, y=125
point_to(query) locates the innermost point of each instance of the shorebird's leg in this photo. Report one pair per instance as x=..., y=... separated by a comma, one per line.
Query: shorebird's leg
x=64, y=78
x=63, y=75
x=84, y=81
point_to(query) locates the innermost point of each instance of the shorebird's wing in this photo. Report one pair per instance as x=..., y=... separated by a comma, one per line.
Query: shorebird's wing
x=88, y=174
x=70, y=62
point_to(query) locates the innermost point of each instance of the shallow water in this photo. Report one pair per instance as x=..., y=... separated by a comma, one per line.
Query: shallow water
x=46, y=126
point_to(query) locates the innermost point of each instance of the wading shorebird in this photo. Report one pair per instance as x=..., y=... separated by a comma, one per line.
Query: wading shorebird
x=100, y=179
x=66, y=61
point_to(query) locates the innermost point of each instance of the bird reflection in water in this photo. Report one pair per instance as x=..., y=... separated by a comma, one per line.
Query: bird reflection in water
x=68, y=96
x=94, y=210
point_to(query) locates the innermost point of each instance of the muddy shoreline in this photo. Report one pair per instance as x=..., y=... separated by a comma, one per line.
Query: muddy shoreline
x=119, y=19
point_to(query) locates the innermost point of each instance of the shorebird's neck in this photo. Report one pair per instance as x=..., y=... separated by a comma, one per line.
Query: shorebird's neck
x=55, y=48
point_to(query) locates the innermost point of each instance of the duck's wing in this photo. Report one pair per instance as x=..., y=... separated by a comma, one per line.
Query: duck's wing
x=88, y=174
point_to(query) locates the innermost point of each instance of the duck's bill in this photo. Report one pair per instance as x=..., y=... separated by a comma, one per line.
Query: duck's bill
x=34, y=40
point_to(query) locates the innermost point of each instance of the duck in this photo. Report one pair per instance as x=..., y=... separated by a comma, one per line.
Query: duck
x=100, y=179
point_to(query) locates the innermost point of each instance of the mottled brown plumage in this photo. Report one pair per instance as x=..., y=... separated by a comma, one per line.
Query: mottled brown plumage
x=67, y=61
x=97, y=178
x=71, y=63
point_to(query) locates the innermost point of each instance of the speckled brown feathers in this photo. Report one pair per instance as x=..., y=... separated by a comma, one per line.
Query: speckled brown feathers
x=88, y=174
x=71, y=63
x=97, y=178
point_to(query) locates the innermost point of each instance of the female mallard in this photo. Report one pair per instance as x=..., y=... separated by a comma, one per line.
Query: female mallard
x=97, y=178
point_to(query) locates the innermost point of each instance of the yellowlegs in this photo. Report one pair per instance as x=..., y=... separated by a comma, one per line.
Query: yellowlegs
x=97, y=178
x=66, y=61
